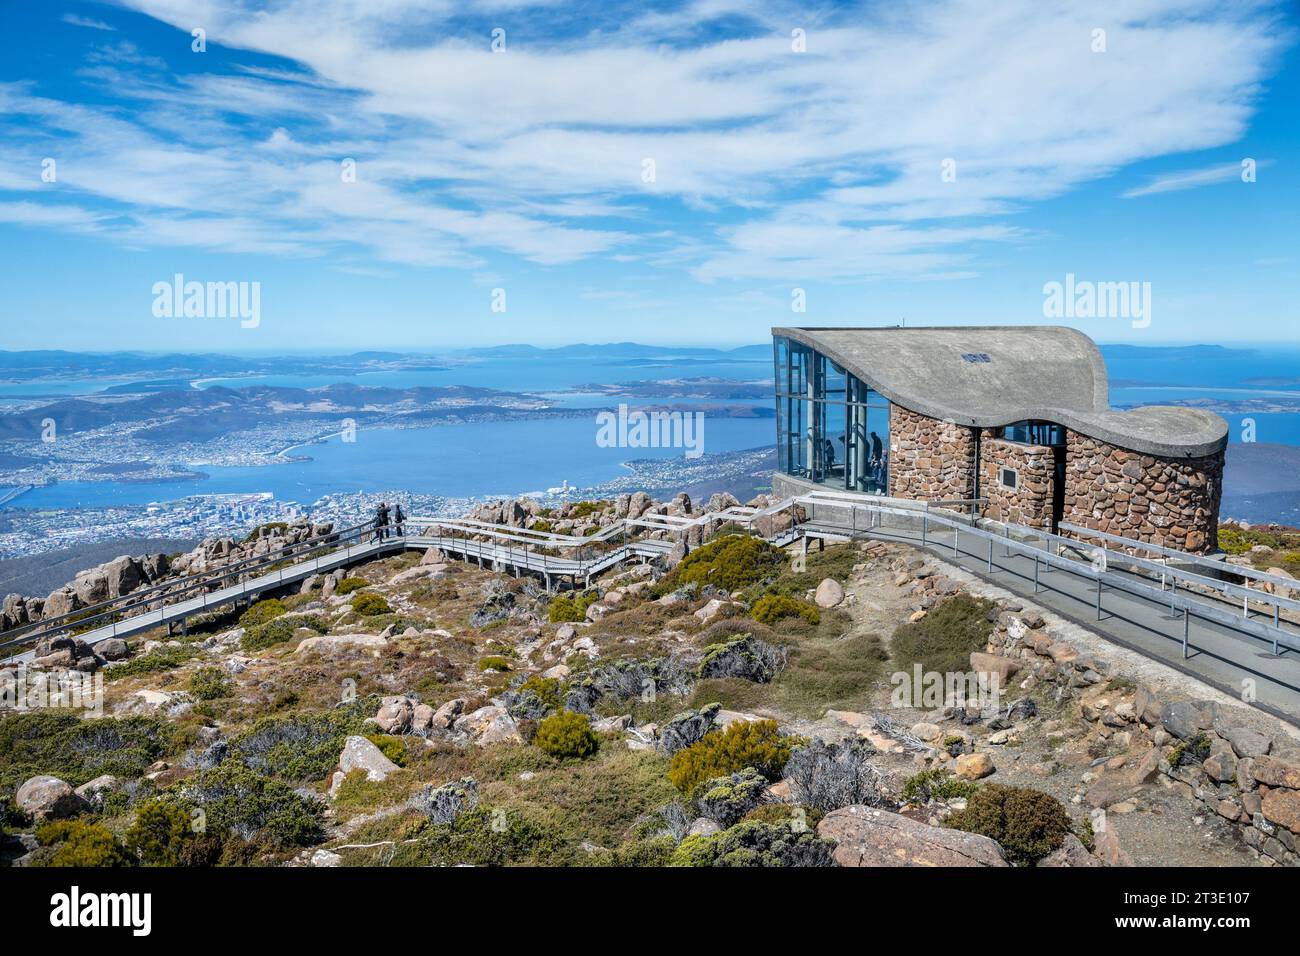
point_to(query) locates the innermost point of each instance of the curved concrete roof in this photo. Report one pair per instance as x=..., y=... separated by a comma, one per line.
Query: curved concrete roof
x=986, y=376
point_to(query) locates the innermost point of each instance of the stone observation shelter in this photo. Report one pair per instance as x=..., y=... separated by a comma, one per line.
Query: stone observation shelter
x=1018, y=416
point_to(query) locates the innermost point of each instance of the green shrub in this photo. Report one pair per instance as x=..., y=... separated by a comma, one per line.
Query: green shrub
x=165, y=658
x=493, y=662
x=209, y=683
x=280, y=630
x=566, y=734
x=1028, y=823
x=62, y=744
x=942, y=641
x=394, y=748
x=159, y=835
x=301, y=746
x=547, y=689
x=770, y=608
x=584, y=509
x=249, y=805
x=78, y=843
x=348, y=585
x=566, y=608
x=370, y=605
x=730, y=562
x=644, y=852
x=936, y=784
x=756, y=843
x=756, y=744
x=261, y=612
x=484, y=836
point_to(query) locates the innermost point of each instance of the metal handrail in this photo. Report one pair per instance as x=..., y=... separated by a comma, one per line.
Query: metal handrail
x=175, y=588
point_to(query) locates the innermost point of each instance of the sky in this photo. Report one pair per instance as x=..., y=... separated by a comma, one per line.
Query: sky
x=412, y=175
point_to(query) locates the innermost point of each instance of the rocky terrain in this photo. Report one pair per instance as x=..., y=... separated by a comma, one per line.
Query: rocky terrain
x=734, y=704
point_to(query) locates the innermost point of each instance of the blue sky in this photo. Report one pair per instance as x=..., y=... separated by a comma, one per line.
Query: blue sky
x=775, y=169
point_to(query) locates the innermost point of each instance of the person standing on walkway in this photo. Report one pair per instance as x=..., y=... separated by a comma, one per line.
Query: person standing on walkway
x=398, y=518
x=381, y=521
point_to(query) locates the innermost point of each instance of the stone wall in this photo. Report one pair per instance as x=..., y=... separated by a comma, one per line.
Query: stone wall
x=1170, y=502
x=1030, y=502
x=929, y=459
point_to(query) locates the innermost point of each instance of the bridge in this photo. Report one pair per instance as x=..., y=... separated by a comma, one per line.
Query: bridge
x=1228, y=625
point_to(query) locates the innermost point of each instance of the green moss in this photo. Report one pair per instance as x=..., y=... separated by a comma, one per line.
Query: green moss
x=756, y=744
x=1028, y=823
x=943, y=640
x=565, y=735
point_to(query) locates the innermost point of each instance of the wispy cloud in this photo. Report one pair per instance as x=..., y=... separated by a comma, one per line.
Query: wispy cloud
x=87, y=22
x=1190, y=179
x=891, y=146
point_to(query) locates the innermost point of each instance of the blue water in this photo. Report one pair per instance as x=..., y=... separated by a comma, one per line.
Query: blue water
x=489, y=458
x=501, y=458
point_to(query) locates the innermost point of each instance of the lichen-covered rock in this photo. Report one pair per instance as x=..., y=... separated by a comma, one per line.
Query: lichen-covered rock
x=687, y=728
x=1070, y=854
x=868, y=836
x=361, y=754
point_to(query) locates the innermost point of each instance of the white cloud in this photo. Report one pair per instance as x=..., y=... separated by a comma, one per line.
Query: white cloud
x=87, y=22
x=823, y=164
x=1190, y=179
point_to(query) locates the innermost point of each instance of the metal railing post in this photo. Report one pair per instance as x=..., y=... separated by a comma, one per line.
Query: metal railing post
x=1186, y=627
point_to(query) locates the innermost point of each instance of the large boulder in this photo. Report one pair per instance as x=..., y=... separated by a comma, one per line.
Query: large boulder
x=1187, y=719
x=1070, y=854
x=49, y=798
x=687, y=728
x=1245, y=742
x=361, y=754
x=829, y=593
x=1278, y=770
x=866, y=836
x=396, y=715
x=123, y=575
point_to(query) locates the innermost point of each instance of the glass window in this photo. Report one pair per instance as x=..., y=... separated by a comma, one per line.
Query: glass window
x=832, y=428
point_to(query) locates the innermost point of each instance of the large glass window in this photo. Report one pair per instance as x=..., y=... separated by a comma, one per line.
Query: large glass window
x=832, y=428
